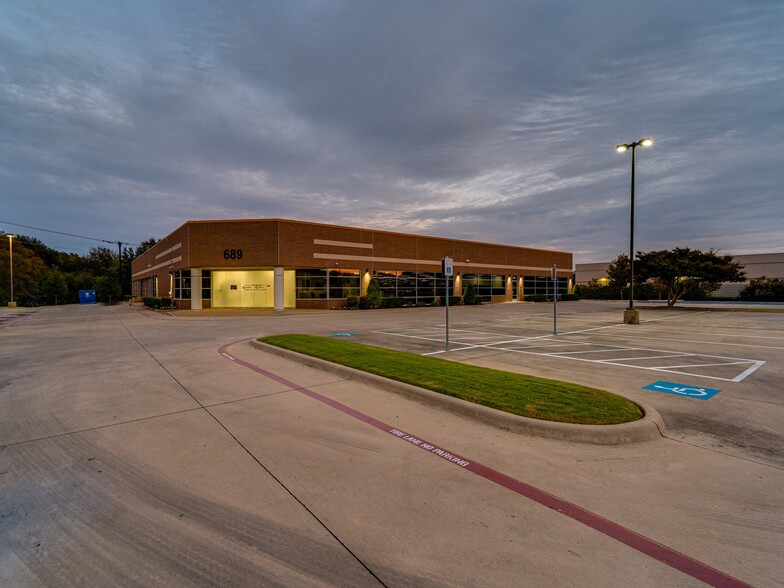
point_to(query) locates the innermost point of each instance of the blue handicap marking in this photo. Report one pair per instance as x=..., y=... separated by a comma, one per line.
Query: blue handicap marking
x=682, y=390
x=342, y=335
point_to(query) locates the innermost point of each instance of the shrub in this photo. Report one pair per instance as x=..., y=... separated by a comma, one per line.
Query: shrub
x=577, y=291
x=534, y=297
x=352, y=302
x=364, y=303
x=393, y=302
x=157, y=303
x=453, y=300
x=569, y=297
x=374, y=294
x=469, y=295
x=764, y=290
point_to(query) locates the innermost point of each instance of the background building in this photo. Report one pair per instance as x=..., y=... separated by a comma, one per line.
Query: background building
x=758, y=265
x=279, y=263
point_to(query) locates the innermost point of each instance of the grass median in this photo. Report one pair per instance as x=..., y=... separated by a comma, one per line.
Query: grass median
x=528, y=396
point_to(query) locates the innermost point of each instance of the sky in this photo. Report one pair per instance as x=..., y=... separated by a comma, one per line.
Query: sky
x=489, y=121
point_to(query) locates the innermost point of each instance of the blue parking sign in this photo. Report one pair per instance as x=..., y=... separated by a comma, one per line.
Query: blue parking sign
x=682, y=390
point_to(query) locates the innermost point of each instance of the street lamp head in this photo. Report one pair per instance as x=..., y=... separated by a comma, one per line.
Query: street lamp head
x=622, y=147
x=646, y=142
x=10, y=236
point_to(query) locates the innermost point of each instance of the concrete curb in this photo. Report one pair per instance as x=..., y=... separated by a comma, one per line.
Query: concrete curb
x=650, y=427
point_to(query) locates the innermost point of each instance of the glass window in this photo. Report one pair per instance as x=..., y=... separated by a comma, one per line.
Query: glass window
x=407, y=285
x=311, y=283
x=387, y=282
x=483, y=283
x=182, y=284
x=543, y=285
x=426, y=287
x=206, y=285
x=343, y=283
x=498, y=287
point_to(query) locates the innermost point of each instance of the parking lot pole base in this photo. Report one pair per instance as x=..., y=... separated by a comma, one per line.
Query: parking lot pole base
x=631, y=317
x=11, y=304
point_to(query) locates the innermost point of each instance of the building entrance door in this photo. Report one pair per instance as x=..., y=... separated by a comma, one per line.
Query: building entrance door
x=242, y=289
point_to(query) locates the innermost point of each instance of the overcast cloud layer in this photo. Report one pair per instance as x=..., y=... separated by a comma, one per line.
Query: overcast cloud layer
x=491, y=121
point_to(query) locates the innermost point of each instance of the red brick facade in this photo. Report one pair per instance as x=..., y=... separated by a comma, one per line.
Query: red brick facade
x=265, y=244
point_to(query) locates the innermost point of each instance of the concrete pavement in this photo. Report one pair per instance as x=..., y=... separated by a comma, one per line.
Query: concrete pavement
x=131, y=452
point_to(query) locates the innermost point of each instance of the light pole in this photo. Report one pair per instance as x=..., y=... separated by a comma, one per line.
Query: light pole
x=630, y=315
x=11, y=303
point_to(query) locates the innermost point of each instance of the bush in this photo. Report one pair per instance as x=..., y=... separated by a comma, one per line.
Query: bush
x=764, y=290
x=534, y=297
x=577, y=291
x=595, y=291
x=352, y=302
x=453, y=300
x=364, y=303
x=569, y=297
x=157, y=303
x=469, y=295
x=393, y=302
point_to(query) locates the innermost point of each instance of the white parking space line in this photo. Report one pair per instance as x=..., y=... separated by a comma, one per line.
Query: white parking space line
x=707, y=364
x=638, y=357
x=546, y=342
x=725, y=344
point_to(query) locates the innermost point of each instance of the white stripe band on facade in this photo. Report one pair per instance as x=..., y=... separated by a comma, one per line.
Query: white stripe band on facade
x=342, y=244
x=169, y=250
x=160, y=265
x=430, y=262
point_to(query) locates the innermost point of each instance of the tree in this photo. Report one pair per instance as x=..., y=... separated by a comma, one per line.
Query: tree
x=618, y=272
x=681, y=270
x=29, y=270
x=374, y=294
x=108, y=288
x=101, y=260
x=53, y=287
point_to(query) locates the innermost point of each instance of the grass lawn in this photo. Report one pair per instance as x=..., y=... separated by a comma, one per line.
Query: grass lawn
x=527, y=396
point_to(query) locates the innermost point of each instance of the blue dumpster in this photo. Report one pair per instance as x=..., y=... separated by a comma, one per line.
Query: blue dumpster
x=87, y=297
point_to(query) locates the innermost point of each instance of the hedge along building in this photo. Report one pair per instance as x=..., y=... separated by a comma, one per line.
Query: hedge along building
x=279, y=263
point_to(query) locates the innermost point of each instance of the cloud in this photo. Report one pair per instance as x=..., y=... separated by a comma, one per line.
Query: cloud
x=493, y=121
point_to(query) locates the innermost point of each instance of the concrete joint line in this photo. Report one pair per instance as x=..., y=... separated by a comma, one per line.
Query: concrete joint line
x=650, y=427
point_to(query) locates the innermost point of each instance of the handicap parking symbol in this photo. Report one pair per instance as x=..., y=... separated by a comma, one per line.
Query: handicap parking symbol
x=682, y=390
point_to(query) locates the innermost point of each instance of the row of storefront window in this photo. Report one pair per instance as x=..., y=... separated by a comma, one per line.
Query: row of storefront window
x=415, y=286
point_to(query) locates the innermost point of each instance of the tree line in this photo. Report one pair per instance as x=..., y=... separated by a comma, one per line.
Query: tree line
x=43, y=275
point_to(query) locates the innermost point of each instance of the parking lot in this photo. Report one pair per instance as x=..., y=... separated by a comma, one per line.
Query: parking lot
x=132, y=452
x=738, y=353
x=716, y=367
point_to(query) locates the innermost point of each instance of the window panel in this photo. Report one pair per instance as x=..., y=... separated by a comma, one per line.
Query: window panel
x=343, y=283
x=311, y=283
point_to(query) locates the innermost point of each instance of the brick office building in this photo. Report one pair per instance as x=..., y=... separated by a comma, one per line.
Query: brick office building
x=278, y=263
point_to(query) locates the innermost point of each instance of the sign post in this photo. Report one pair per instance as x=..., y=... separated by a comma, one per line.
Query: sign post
x=447, y=268
x=555, y=299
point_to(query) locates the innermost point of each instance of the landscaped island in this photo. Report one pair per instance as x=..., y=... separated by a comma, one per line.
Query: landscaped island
x=527, y=396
